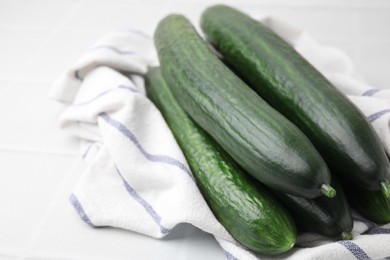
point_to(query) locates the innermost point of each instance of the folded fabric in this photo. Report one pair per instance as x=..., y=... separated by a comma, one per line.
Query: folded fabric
x=137, y=177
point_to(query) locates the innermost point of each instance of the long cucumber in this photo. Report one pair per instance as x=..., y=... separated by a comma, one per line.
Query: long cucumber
x=337, y=128
x=258, y=138
x=250, y=214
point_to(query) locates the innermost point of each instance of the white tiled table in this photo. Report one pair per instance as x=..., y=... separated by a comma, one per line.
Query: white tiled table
x=39, y=163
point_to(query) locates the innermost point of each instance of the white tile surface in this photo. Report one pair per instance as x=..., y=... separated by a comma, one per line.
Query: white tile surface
x=39, y=165
x=43, y=13
x=30, y=121
x=17, y=47
x=113, y=15
x=28, y=183
x=373, y=24
x=63, y=49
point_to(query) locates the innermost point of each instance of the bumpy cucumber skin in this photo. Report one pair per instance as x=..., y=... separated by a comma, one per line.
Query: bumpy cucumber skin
x=329, y=217
x=251, y=215
x=337, y=128
x=259, y=138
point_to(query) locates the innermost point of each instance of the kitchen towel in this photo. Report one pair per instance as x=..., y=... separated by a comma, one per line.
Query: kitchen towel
x=137, y=178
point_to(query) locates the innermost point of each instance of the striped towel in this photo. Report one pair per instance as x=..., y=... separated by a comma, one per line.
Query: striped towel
x=136, y=176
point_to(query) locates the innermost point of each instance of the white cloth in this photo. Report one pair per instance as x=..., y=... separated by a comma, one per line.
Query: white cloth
x=137, y=177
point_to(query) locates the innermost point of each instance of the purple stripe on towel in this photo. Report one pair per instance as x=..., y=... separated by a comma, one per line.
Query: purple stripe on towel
x=112, y=48
x=377, y=115
x=151, y=157
x=148, y=208
x=354, y=249
x=229, y=256
x=105, y=92
x=87, y=150
x=138, y=32
x=371, y=92
x=379, y=230
x=128, y=88
x=76, y=204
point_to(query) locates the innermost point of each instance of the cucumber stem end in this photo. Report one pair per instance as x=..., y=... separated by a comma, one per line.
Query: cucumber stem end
x=385, y=187
x=329, y=192
x=346, y=235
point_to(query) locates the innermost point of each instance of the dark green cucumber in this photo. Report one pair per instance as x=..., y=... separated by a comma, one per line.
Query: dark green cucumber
x=325, y=216
x=370, y=204
x=337, y=128
x=259, y=138
x=249, y=214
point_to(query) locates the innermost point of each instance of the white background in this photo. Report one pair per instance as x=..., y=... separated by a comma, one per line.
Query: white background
x=39, y=163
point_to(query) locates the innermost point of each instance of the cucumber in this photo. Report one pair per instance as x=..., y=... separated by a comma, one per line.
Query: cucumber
x=322, y=215
x=336, y=127
x=258, y=138
x=370, y=204
x=248, y=213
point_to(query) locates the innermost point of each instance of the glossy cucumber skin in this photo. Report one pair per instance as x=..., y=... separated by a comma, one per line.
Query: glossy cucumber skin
x=325, y=216
x=337, y=128
x=252, y=216
x=259, y=138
